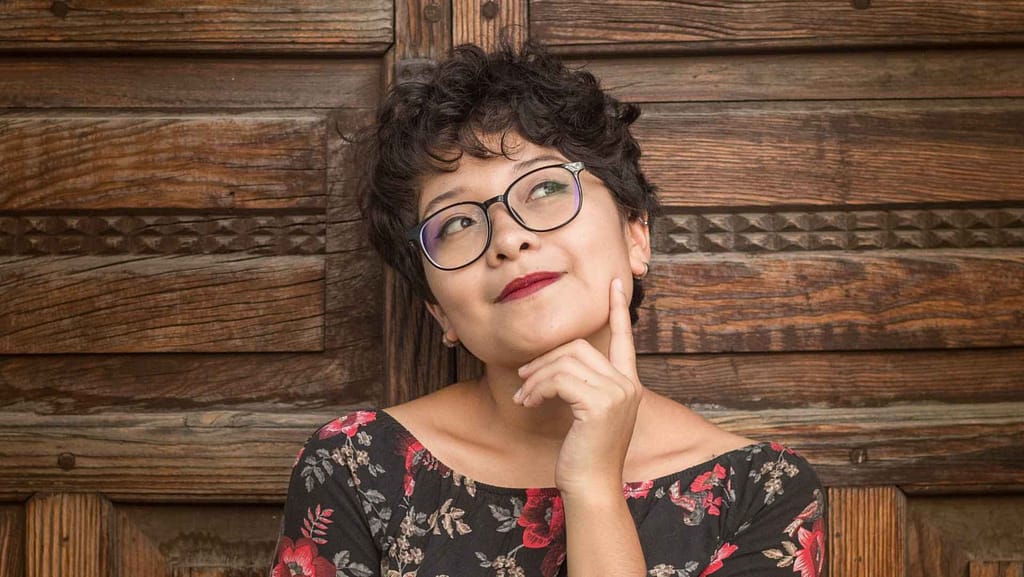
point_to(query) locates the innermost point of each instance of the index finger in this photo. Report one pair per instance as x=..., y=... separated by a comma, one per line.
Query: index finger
x=621, y=351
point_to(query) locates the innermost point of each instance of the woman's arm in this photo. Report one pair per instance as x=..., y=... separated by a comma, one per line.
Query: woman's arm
x=601, y=537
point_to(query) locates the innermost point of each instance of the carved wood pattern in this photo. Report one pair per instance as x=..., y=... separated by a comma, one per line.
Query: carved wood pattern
x=785, y=231
x=120, y=234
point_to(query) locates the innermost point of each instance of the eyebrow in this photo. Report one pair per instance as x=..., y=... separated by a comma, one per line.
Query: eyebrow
x=518, y=168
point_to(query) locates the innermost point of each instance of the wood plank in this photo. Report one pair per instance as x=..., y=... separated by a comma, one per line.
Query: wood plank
x=65, y=81
x=981, y=568
x=870, y=74
x=721, y=24
x=161, y=304
x=829, y=153
x=12, y=540
x=866, y=531
x=246, y=457
x=946, y=535
x=484, y=23
x=336, y=27
x=833, y=301
x=145, y=161
x=836, y=379
x=67, y=535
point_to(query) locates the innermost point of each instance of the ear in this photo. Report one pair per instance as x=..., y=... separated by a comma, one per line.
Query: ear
x=638, y=238
x=442, y=319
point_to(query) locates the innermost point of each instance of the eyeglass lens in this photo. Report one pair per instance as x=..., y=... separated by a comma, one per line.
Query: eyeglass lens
x=542, y=200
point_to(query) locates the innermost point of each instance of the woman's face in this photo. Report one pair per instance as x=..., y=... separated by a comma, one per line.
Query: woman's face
x=584, y=256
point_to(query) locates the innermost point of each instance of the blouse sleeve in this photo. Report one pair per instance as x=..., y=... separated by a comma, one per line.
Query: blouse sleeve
x=329, y=521
x=780, y=530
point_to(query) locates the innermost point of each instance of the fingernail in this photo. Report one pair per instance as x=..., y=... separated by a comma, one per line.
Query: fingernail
x=617, y=283
x=522, y=368
x=518, y=394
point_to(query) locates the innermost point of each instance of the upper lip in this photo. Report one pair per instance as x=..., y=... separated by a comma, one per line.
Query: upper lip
x=525, y=281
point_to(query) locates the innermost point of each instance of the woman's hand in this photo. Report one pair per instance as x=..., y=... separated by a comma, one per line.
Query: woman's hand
x=603, y=394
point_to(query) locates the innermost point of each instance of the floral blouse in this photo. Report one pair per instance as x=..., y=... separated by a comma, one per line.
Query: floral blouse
x=367, y=499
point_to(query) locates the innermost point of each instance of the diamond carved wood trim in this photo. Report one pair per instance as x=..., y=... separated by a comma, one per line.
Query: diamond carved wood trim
x=840, y=230
x=120, y=234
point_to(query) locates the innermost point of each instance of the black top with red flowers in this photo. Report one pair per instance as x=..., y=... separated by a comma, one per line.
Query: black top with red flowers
x=366, y=498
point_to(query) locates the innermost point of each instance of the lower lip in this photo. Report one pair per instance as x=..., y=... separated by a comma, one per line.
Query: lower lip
x=529, y=289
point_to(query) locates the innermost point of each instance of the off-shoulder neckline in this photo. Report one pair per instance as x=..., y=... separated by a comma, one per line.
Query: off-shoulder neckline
x=661, y=481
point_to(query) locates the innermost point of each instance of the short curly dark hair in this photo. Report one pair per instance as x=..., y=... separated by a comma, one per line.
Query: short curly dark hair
x=425, y=125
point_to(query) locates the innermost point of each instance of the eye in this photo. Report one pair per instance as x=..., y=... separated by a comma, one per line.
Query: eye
x=547, y=188
x=455, y=225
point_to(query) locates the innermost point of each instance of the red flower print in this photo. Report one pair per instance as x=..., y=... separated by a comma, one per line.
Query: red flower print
x=637, y=490
x=349, y=424
x=782, y=449
x=544, y=521
x=810, y=559
x=706, y=481
x=414, y=454
x=723, y=552
x=300, y=559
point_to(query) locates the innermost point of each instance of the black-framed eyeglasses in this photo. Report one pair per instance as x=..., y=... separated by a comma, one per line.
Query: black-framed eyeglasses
x=541, y=200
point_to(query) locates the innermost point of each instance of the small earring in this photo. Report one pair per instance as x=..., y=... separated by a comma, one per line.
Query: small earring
x=647, y=268
x=448, y=343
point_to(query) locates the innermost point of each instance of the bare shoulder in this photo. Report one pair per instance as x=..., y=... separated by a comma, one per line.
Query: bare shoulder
x=426, y=417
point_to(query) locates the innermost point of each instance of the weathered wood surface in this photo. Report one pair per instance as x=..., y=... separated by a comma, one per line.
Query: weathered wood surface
x=947, y=536
x=235, y=456
x=834, y=76
x=834, y=153
x=836, y=379
x=267, y=161
x=67, y=534
x=161, y=304
x=980, y=568
x=833, y=301
x=108, y=82
x=338, y=27
x=208, y=540
x=769, y=24
x=866, y=531
x=485, y=23
x=12, y=540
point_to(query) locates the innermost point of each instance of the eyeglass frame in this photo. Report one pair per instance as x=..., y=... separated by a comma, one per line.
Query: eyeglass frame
x=415, y=234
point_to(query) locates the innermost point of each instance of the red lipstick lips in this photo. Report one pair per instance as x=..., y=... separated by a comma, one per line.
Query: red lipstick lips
x=527, y=285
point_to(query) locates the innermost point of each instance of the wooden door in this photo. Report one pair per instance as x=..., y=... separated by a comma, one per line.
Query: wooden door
x=185, y=293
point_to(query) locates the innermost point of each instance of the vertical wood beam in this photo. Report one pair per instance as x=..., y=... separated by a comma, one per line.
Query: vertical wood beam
x=12, y=531
x=66, y=535
x=484, y=22
x=867, y=531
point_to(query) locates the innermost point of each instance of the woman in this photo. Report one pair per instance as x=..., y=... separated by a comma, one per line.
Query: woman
x=506, y=189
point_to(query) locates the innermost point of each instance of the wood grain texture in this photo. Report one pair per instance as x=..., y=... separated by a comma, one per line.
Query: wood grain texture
x=833, y=301
x=166, y=541
x=485, y=22
x=980, y=568
x=107, y=82
x=834, y=153
x=12, y=540
x=836, y=379
x=764, y=24
x=869, y=74
x=143, y=161
x=246, y=457
x=950, y=536
x=866, y=531
x=423, y=32
x=161, y=304
x=338, y=27
x=67, y=535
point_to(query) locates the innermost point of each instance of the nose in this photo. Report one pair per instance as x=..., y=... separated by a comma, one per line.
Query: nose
x=508, y=237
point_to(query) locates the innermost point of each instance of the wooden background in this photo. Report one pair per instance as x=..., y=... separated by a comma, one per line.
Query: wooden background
x=185, y=292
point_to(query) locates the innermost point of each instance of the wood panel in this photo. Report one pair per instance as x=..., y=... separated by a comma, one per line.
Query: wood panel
x=953, y=536
x=485, y=23
x=214, y=541
x=150, y=304
x=866, y=531
x=833, y=301
x=836, y=379
x=12, y=540
x=770, y=24
x=246, y=457
x=996, y=569
x=835, y=76
x=67, y=535
x=834, y=153
x=200, y=162
x=106, y=82
x=339, y=27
